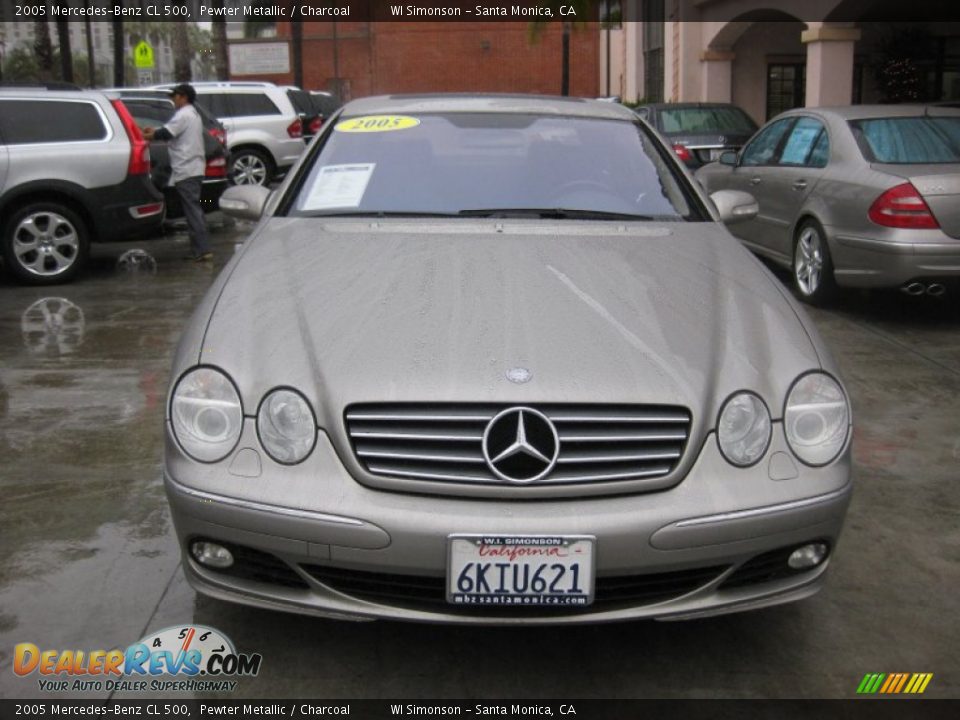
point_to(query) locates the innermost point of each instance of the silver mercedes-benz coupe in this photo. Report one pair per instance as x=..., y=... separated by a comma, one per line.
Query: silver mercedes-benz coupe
x=497, y=359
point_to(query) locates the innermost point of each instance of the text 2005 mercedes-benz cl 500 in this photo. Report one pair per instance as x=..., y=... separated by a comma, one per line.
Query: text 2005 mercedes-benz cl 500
x=496, y=359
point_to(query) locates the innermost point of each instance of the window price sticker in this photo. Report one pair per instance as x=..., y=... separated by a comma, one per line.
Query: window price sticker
x=339, y=186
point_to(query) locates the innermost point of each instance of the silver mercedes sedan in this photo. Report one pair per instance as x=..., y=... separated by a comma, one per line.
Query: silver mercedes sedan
x=862, y=196
x=496, y=359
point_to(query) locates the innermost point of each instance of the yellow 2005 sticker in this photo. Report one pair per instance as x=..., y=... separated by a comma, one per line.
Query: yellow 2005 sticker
x=377, y=123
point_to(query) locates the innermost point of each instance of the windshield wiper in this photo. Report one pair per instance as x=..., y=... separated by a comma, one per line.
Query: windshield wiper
x=555, y=213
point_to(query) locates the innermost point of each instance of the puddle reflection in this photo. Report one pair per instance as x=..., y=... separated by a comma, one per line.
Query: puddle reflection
x=52, y=326
x=137, y=261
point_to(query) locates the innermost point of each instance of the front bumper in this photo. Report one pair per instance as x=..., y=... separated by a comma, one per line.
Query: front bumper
x=313, y=522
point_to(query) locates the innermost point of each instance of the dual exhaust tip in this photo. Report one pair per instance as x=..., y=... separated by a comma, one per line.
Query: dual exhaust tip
x=917, y=289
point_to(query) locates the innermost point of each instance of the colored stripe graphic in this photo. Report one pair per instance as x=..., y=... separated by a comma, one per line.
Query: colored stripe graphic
x=903, y=680
x=894, y=683
x=918, y=683
x=891, y=682
x=914, y=682
x=870, y=683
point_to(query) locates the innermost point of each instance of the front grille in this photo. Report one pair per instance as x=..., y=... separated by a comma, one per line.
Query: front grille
x=443, y=443
x=416, y=592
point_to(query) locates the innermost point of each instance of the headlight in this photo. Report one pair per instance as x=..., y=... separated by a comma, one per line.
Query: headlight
x=743, y=430
x=816, y=418
x=287, y=428
x=206, y=413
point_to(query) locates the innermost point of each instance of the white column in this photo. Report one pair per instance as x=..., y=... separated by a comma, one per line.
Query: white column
x=829, y=64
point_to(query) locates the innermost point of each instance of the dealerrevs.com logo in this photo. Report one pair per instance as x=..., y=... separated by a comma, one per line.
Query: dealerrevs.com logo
x=182, y=658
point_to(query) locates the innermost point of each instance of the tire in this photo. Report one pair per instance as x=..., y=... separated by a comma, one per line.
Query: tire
x=812, y=266
x=45, y=243
x=250, y=166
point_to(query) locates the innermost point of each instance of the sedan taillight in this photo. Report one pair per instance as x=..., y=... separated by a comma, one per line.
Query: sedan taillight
x=683, y=152
x=902, y=207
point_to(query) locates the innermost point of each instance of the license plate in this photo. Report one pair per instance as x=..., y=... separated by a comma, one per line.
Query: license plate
x=520, y=570
x=715, y=153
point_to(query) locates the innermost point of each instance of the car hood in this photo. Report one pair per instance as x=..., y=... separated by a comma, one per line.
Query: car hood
x=420, y=310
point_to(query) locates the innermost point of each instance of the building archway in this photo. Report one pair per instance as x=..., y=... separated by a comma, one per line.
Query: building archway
x=760, y=57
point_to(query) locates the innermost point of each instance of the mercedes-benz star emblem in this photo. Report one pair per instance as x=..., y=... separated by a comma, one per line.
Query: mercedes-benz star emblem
x=521, y=445
x=519, y=375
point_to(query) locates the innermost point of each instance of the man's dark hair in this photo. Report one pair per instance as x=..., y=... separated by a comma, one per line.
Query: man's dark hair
x=185, y=89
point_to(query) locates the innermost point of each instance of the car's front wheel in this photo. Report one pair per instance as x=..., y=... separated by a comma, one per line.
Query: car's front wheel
x=249, y=166
x=45, y=243
x=812, y=265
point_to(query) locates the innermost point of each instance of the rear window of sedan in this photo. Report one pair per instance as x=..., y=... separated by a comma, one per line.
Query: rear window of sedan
x=908, y=140
x=462, y=163
x=706, y=120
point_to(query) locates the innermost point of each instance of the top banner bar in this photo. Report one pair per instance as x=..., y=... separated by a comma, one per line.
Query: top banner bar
x=576, y=11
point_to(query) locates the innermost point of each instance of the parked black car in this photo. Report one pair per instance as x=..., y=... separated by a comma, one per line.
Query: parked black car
x=211, y=124
x=308, y=112
x=326, y=103
x=699, y=132
x=151, y=111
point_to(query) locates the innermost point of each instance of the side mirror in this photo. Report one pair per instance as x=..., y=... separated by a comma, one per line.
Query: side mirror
x=244, y=201
x=728, y=157
x=735, y=206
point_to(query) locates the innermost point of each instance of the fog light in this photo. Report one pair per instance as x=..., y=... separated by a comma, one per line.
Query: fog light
x=808, y=556
x=212, y=555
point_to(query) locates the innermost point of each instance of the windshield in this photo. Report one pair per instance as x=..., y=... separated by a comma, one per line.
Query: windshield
x=706, y=120
x=490, y=164
x=909, y=140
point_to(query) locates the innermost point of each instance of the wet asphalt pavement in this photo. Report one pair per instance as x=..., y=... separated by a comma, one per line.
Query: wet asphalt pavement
x=88, y=558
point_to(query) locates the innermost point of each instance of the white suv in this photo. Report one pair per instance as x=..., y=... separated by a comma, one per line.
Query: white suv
x=264, y=132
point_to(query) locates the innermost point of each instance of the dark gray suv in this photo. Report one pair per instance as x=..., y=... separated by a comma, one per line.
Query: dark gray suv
x=74, y=169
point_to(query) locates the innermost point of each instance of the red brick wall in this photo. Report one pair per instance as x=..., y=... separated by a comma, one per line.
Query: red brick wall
x=395, y=57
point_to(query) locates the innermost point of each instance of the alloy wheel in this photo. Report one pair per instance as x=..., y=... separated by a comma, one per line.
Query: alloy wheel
x=249, y=170
x=808, y=261
x=46, y=243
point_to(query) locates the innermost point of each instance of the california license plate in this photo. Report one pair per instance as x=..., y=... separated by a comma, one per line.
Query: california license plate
x=520, y=570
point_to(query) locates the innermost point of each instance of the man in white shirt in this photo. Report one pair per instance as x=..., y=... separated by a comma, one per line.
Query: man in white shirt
x=184, y=136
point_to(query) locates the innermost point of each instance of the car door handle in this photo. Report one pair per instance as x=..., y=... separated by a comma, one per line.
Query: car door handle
x=754, y=181
x=800, y=185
